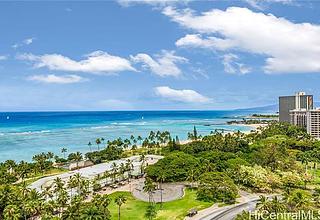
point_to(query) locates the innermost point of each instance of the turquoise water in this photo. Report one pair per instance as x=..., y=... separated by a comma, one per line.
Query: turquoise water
x=25, y=134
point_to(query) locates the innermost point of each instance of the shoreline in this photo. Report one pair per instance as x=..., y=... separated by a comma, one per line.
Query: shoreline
x=46, y=140
x=255, y=126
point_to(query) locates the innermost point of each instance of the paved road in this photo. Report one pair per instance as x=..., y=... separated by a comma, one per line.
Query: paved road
x=230, y=212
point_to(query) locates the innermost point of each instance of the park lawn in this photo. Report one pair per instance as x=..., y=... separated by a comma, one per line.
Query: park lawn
x=135, y=209
x=178, y=209
x=132, y=209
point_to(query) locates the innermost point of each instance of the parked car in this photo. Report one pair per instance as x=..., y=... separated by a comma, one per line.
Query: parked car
x=192, y=212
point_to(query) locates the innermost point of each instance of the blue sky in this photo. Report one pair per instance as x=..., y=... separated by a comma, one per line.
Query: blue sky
x=150, y=55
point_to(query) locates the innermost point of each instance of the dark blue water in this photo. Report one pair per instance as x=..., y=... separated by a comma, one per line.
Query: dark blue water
x=24, y=134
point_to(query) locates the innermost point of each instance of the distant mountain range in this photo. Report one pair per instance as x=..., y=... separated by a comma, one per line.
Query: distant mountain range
x=270, y=108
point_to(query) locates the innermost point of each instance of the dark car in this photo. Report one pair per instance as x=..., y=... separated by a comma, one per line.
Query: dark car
x=192, y=212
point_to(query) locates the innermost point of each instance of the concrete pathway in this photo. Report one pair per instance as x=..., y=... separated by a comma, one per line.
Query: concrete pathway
x=170, y=192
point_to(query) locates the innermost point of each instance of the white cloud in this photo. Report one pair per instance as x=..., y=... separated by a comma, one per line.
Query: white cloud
x=3, y=57
x=15, y=46
x=26, y=41
x=260, y=4
x=185, y=95
x=164, y=64
x=127, y=3
x=289, y=47
x=232, y=66
x=51, y=78
x=97, y=62
x=196, y=40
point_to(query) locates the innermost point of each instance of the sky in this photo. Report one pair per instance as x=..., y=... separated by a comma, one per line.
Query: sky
x=156, y=55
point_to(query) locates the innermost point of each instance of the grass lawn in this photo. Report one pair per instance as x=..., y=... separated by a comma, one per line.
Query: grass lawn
x=135, y=209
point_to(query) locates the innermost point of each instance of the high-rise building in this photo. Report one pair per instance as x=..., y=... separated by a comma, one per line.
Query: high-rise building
x=300, y=112
x=313, y=123
x=308, y=119
x=299, y=117
x=299, y=101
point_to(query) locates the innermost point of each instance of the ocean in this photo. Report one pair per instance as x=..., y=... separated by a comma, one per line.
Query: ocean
x=24, y=134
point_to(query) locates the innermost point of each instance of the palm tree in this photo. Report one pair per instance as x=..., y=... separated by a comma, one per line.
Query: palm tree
x=142, y=160
x=126, y=144
x=23, y=169
x=304, y=158
x=89, y=144
x=151, y=212
x=152, y=136
x=120, y=200
x=34, y=195
x=64, y=151
x=24, y=191
x=96, y=186
x=71, y=185
x=145, y=143
x=161, y=178
x=134, y=140
x=30, y=208
x=277, y=205
x=77, y=178
x=58, y=184
x=92, y=213
x=263, y=204
x=50, y=155
x=62, y=199
x=114, y=171
x=139, y=138
x=24, y=211
x=47, y=208
x=47, y=193
x=40, y=161
x=78, y=158
x=106, y=175
x=129, y=168
x=73, y=210
x=191, y=176
x=101, y=200
x=12, y=212
x=122, y=170
x=98, y=142
x=149, y=187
